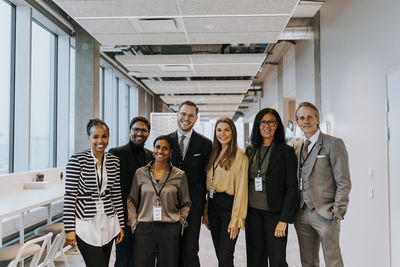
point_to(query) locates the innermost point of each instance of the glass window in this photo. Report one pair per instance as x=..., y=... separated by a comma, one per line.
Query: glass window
x=42, y=98
x=127, y=91
x=71, y=100
x=101, y=87
x=133, y=102
x=5, y=88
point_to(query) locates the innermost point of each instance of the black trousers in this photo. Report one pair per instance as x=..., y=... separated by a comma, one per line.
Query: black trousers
x=124, y=249
x=189, y=247
x=156, y=244
x=94, y=256
x=261, y=244
x=219, y=215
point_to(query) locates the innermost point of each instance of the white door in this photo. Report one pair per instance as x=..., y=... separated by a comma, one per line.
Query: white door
x=394, y=163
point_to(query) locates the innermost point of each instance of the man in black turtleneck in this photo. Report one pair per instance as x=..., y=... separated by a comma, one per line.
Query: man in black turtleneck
x=132, y=156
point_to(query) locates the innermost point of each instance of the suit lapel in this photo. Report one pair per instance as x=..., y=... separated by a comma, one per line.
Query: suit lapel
x=276, y=153
x=297, y=152
x=191, y=144
x=110, y=179
x=313, y=156
x=176, y=154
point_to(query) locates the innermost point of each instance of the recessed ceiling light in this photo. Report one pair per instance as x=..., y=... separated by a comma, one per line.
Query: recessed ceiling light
x=210, y=26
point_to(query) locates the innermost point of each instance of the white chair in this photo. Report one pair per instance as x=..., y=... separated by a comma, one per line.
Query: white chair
x=57, y=246
x=16, y=253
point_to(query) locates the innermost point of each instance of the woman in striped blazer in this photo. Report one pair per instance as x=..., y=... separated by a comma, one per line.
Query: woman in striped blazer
x=93, y=211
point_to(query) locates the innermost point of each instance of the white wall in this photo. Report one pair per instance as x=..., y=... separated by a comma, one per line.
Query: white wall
x=359, y=46
x=305, y=72
x=278, y=86
x=270, y=99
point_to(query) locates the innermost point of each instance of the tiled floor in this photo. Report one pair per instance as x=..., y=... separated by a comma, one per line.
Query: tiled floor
x=207, y=254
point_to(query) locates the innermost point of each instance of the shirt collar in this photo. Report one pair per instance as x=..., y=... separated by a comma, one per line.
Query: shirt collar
x=313, y=139
x=188, y=135
x=95, y=159
x=148, y=166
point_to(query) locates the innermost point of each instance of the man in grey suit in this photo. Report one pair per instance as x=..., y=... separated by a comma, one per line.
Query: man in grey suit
x=324, y=182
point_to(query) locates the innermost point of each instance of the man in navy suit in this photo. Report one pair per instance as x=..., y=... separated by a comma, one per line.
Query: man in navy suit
x=191, y=153
x=132, y=156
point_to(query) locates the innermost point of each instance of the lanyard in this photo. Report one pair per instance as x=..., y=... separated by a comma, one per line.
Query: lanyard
x=158, y=193
x=99, y=178
x=302, y=160
x=259, y=160
x=214, y=168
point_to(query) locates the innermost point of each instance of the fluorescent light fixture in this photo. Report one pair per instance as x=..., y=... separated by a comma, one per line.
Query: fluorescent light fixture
x=175, y=68
x=134, y=73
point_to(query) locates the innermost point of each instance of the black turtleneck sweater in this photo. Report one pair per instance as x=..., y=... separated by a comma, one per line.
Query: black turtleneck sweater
x=131, y=157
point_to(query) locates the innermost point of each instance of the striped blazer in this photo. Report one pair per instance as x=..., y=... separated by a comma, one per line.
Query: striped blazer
x=81, y=191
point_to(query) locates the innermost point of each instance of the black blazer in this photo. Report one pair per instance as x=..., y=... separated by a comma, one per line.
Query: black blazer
x=281, y=180
x=130, y=160
x=194, y=165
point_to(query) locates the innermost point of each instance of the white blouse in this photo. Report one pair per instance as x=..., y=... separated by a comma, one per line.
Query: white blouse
x=101, y=229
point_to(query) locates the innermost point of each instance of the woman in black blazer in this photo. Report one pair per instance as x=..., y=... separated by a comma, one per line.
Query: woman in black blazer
x=273, y=192
x=93, y=211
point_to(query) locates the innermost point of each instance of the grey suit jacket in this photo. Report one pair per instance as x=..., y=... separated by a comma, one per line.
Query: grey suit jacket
x=328, y=175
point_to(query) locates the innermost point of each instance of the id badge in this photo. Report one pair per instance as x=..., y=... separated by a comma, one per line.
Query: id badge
x=99, y=206
x=211, y=191
x=258, y=184
x=156, y=213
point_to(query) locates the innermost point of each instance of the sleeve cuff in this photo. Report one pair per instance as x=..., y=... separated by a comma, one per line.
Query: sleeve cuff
x=236, y=223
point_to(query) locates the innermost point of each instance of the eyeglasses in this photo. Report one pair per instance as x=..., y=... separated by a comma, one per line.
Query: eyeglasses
x=190, y=115
x=142, y=130
x=268, y=123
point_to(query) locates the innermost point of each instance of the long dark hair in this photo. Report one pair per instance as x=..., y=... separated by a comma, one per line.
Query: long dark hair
x=230, y=154
x=256, y=139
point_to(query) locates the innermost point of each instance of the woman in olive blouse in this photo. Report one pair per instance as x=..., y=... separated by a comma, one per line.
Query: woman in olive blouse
x=158, y=206
x=226, y=208
x=272, y=191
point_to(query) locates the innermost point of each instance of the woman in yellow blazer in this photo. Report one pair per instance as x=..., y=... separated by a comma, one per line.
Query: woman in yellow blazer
x=226, y=208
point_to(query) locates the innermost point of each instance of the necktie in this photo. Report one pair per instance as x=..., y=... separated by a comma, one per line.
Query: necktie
x=305, y=149
x=182, y=145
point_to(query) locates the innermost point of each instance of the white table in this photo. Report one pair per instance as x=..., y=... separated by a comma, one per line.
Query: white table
x=18, y=202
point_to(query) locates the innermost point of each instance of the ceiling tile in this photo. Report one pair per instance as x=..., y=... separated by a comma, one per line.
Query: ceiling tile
x=119, y=8
x=141, y=39
x=236, y=7
x=249, y=69
x=202, y=65
x=307, y=9
x=227, y=58
x=233, y=38
x=208, y=99
x=198, y=87
x=130, y=60
x=107, y=26
x=235, y=24
x=221, y=107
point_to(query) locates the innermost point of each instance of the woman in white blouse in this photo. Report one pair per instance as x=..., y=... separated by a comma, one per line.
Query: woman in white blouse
x=93, y=211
